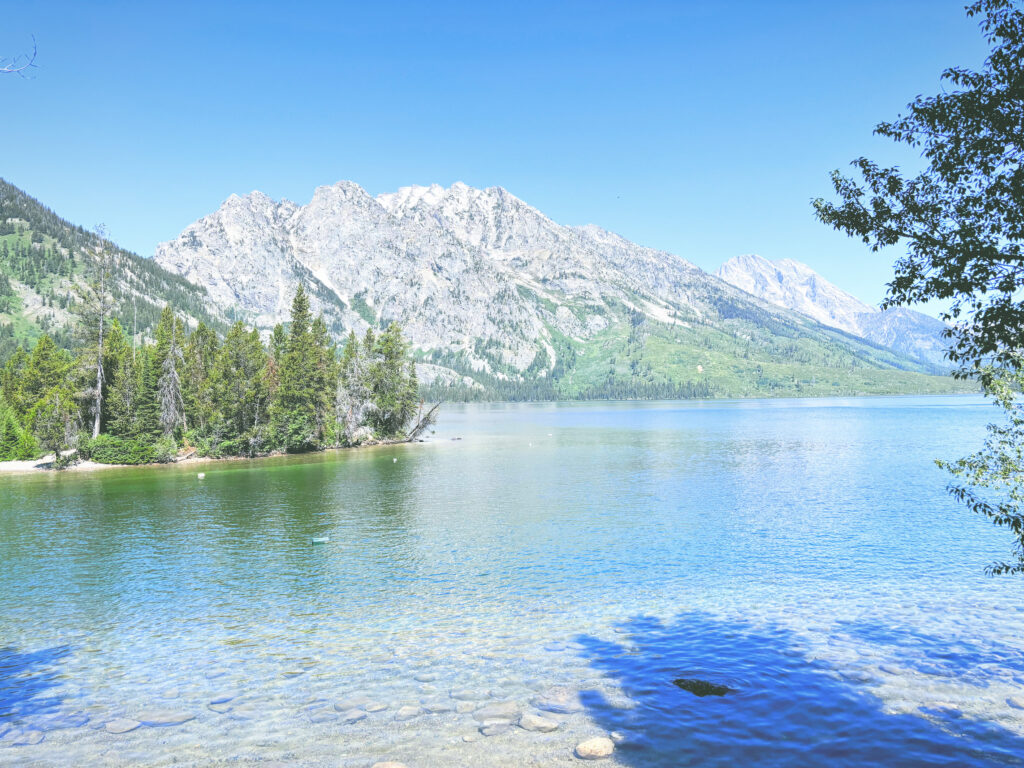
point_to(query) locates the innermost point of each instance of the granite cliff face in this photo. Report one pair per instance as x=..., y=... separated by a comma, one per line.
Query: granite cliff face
x=490, y=290
x=790, y=284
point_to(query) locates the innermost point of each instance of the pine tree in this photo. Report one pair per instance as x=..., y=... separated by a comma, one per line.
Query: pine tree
x=10, y=433
x=392, y=395
x=123, y=398
x=147, y=411
x=55, y=420
x=295, y=403
x=169, y=396
x=239, y=380
x=323, y=376
x=352, y=398
x=28, y=448
x=12, y=380
x=200, y=358
x=47, y=367
x=117, y=347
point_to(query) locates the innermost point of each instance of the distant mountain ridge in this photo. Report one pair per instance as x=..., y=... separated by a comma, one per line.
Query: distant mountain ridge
x=500, y=301
x=790, y=284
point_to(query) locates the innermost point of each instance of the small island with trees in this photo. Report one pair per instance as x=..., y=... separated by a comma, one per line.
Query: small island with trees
x=191, y=393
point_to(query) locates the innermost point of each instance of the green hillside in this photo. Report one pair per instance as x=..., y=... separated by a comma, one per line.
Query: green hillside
x=745, y=351
x=42, y=256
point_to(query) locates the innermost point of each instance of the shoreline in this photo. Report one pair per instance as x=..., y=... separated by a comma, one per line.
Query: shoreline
x=45, y=464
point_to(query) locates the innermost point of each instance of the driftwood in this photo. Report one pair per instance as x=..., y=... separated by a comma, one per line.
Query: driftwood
x=423, y=423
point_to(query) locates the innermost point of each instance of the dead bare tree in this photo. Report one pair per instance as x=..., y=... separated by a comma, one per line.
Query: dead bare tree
x=95, y=302
x=19, y=65
x=423, y=422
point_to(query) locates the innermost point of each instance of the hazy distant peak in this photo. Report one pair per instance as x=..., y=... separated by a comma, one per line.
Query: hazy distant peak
x=790, y=284
x=793, y=285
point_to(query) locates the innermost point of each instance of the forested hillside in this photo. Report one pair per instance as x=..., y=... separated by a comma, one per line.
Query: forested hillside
x=42, y=259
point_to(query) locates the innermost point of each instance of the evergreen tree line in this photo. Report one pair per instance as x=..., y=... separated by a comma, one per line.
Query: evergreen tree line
x=118, y=402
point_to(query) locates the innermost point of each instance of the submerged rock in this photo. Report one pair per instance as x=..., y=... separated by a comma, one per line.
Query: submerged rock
x=496, y=728
x=595, y=749
x=701, y=687
x=24, y=738
x=532, y=722
x=439, y=707
x=323, y=717
x=57, y=722
x=562, y=701
x=353, y=716
x=467, y=694
x=408, y=713
x=506, y=710
x=160, y=717
x=122, y=725
x=352, y=702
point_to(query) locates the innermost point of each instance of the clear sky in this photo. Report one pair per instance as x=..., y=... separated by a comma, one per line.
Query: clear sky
x=703, y=128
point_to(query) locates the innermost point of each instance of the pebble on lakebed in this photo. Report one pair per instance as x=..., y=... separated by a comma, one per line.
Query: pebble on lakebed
x=562, y=701
x=161, y=717
x=506, y=710
x=595, y=749
x=532, y=722
x=24, y=738
x=408, y=712
x=495, y=728
x=122, y=725
x=352, y=702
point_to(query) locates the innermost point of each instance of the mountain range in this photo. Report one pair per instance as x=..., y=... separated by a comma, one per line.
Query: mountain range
x=499, y=301
x=790, y=284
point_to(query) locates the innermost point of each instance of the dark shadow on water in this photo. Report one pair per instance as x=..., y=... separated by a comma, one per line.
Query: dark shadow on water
x=28, y=682
x=781, y=709
x=966, y=660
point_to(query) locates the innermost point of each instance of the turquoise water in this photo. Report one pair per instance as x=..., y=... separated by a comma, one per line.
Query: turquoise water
x=576, y=558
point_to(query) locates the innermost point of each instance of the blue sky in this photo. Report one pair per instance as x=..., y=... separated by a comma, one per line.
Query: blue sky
x=703, y=128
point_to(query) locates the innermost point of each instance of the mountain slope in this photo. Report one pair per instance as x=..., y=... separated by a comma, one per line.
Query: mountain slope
x=501, y=301
x=790, y=284
x=42, y=256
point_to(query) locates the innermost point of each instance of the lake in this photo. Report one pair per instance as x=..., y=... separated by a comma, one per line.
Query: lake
x=570, y=561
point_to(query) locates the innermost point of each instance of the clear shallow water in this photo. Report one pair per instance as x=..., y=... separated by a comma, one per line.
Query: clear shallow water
x=582, y=556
